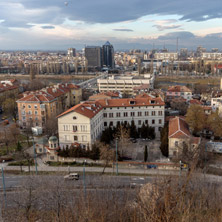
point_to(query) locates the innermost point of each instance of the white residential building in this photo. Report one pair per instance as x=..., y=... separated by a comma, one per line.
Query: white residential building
x=125, y=84
x=85, y=122
x=166, y=55
x=211, y=55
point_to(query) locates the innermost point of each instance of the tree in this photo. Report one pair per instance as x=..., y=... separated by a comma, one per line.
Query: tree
x=95, y=152
x=51, y=127
x=19, y=147
x=215, y=123
x=14, y=132
x=179, y=105
x=123, y=137
x=145, y=153
x=10, y=107
x=196, y=118
x=133, y=130
x=164, y=141
x=107, y=154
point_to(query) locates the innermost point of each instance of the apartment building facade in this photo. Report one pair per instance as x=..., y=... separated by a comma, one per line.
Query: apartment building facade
x=85, y=122
x=36, y=107
x=177, y=92
x=125, y=84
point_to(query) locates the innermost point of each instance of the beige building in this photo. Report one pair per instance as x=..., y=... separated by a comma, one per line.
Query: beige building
x=179, y=135
x=85, y=122
x=36, y=107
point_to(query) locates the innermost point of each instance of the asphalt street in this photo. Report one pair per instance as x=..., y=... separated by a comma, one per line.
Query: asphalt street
x=91, y=181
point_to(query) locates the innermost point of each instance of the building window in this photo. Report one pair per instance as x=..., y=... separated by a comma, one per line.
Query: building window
x=74, y=117
x=160, y=113
x=104, y=115
x=30, y=112
x=160, y=121
x=23, y=106
x=125, y=114
x=153, y=113
x=139, y=113
x=36, y=112
x=118, y=114
x=110, y=115
x=23, y=118
x=29, y=106
x=146, y=113
x=74, y=128
x=146, y=122
x=23, y=112
x=111, y=123
x=176, y=143
x=75, y=138
x=132, y=113
x=105, y=123
x=35, y=106
x=65, y=127
x=66, y=138
x=153, y=121
x=139, y=122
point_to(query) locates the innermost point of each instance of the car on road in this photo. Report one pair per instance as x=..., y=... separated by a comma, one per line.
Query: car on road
x=4, y=117
x=72, y=176
x=6, y=122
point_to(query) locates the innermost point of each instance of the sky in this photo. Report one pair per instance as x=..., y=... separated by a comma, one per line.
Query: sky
x=127, y=24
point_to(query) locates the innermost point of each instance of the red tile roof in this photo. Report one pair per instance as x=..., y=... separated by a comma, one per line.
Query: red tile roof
x=91, y=108
x=178, y=89
x=178, y=128
x=127, y=102
x=195, y=101
x=37, y=97
x=88, y=109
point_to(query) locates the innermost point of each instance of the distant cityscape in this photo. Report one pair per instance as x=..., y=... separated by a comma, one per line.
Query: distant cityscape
x=104, y=58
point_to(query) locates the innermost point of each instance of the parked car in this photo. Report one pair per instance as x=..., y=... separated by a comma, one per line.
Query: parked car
x=72, y=176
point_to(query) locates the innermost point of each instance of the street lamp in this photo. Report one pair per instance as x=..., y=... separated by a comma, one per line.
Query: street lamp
x=36, y=170
x=84, y=179
x=3, y=182
x=116, y=156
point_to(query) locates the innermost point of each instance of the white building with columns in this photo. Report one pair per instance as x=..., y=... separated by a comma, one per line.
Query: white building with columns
x=85, y=122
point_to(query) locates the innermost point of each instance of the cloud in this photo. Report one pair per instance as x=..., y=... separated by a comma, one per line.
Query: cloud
x=164, y=27
x=48, y=27
x=123, y=30
x=17, y=13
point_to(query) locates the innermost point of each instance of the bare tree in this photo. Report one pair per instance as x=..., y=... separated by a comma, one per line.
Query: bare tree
x=107, y=154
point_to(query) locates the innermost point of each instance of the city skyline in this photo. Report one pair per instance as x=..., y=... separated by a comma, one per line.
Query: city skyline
x=58, y=25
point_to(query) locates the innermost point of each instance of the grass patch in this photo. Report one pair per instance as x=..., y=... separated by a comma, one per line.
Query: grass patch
x=12, y=148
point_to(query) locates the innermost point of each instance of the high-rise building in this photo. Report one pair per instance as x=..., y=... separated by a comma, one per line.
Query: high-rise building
x=71, y=52
x=108, y=55
x=93, y=55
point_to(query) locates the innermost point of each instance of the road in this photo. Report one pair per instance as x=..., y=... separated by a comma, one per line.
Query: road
x=91, y=181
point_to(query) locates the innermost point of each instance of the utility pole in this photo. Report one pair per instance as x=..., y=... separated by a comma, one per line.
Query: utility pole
x=84, y=179
x=36, y=169
x=116, y=157
x=3, y=182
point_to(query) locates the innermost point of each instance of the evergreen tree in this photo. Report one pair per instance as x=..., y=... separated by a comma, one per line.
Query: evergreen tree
x=95, y=152
x=19, y=146
x=145, y=154
x=143, y=131
x=133, y=130
x=164, y=141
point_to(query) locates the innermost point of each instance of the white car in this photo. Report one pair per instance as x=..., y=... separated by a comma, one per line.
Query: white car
x=72, y=176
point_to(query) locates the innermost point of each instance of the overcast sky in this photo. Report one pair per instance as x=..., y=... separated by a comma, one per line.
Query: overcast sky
x=127, y=24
